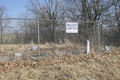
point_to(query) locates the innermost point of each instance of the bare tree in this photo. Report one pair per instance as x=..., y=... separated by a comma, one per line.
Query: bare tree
x=3, y=23
x=113, y=18
x=23, y=26
x=49, y=9
x=89, y=10
x=117, y=12
x=2, y=11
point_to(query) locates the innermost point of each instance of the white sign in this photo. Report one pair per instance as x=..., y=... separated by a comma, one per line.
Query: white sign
x=71, y=27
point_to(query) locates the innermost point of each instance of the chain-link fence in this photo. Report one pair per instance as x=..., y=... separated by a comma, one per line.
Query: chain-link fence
x=49, y=38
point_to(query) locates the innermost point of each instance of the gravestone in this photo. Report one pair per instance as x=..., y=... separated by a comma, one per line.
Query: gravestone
x=107, y=48
x=34, y=48
x=87, y=47
x=17, y=55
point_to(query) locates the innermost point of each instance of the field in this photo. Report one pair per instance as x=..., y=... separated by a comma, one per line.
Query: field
x=55, y=66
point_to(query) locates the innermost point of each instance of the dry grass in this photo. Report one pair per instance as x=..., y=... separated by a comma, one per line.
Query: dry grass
x=86, y=67
x=58, y=66
x=9, y=49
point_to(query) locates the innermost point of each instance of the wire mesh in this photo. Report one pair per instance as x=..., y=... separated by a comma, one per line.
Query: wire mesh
x=21, y=35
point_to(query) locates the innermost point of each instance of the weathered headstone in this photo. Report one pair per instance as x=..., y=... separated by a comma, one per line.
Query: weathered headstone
x=34, y=48
x=107, y=48
x=87, y=47
x=18, y=55
x=45, y=54
x=76, y=52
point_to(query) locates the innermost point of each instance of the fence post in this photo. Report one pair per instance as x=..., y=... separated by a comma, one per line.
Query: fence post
x=98, y=37
x=22, y=33
x=103, y=38
x=38, y=42
x=82, y=35
x=55, y=35
x=1, y=29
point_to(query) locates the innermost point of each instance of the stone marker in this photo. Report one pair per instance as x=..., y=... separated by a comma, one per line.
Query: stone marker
x=107, y=48
x=17, y=54
x=34, y=48
x=87, y=47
